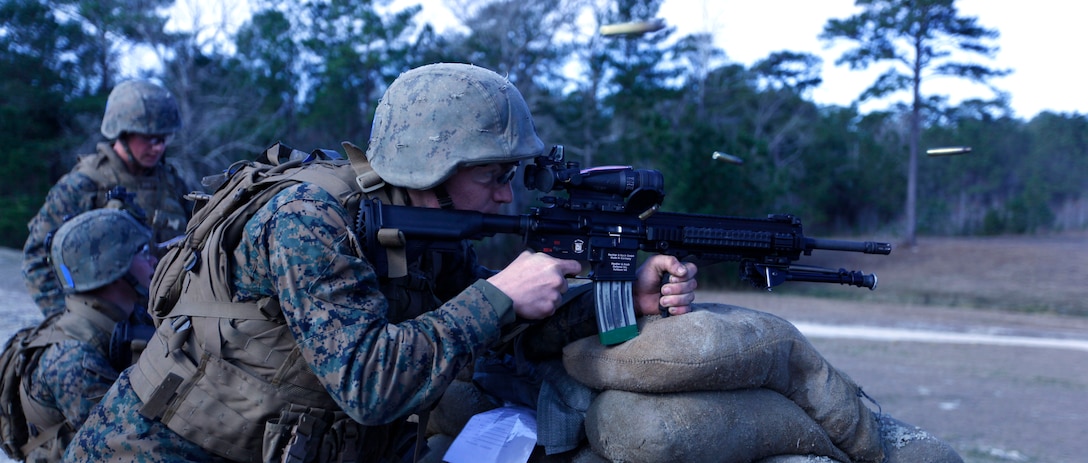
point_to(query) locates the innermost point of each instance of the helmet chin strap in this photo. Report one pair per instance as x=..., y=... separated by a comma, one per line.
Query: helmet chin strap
x=126, y=154
x=133, y=166
x=443, y=197
x=140, y=289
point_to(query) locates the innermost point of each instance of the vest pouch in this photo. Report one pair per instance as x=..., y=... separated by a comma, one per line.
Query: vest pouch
x=296, y=436
x=313, y=435
x=277, y=433
x=222, y=406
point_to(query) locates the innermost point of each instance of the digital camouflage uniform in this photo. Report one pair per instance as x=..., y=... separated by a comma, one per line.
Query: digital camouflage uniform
x=73, y=375
x=159, y=192
x=75, y=366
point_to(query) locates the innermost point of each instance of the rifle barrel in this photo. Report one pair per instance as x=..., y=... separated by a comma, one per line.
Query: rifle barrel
x=867, y=247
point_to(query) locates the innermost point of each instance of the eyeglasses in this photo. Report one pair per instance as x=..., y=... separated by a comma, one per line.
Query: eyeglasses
x=494, y=174
x=154, y=140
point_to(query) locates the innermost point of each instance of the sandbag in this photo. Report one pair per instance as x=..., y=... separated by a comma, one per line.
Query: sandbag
x=719, y=347
x=697, y=351
x=903, y=443
x=709, y=426
x=906, y=443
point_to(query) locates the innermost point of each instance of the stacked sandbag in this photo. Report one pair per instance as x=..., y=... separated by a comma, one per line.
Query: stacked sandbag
x=727, y=426
x=734, y=426
x=725, y=383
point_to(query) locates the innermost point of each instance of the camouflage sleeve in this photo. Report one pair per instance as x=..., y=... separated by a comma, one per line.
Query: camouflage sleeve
x=72, y=377
x=73, y=193
x=297, y=248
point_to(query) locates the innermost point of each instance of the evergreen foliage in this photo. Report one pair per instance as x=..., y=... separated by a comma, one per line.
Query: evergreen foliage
x=310, y=74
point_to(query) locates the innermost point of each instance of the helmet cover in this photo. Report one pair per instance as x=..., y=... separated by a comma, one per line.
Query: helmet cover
x=95, y=248
x=139, y=106
x=436, y=118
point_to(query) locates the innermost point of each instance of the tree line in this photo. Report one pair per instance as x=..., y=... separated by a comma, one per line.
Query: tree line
x=310, y=73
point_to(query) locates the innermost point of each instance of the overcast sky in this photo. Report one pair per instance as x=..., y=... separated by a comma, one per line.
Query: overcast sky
x=1041, y=42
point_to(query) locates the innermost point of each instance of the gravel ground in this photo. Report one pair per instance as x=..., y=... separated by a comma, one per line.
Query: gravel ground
x=992, y=401
x=16, y=308
x=983, y=388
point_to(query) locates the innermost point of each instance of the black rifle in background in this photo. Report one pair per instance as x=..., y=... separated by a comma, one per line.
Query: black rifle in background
x=609, y=214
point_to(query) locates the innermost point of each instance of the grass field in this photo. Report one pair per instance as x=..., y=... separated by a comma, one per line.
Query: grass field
x=1020, y=274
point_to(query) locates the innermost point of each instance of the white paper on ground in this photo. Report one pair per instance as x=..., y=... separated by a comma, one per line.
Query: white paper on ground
x=503, y=435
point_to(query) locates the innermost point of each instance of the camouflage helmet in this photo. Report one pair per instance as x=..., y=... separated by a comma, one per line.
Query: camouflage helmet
x=95, y=248
x=436, y=118
x=140, y=106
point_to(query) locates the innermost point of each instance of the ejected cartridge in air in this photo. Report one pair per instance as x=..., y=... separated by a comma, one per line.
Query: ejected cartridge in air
x=949, y=151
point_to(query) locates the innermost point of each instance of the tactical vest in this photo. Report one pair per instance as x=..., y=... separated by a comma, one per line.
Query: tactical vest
x=86, y=321
x=220, y=385
x=158, y=194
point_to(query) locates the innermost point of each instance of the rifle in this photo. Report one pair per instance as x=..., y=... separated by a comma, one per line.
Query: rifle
x=610, y=214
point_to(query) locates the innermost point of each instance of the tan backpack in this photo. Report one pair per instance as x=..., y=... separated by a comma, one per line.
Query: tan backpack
x=18, y=359
x=245, y=187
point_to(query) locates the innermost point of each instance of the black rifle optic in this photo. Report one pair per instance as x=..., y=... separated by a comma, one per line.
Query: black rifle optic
x=608, y=215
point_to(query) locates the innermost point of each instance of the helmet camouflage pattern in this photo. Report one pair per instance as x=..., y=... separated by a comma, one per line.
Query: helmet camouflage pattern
x=93, y=249
x=139, y=106
x=436, y=118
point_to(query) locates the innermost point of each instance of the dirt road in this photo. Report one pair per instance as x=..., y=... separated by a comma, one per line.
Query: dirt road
x=999, y=387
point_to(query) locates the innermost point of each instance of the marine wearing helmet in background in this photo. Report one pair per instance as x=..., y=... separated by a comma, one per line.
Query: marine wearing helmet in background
x=106, y=267
x=96, y=248
x=139, y=106
x=139, y=120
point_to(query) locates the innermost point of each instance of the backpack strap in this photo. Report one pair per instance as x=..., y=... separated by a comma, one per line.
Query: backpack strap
x=368, y=180
x=372, y=185
x=45, y=435
x=35, y=413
